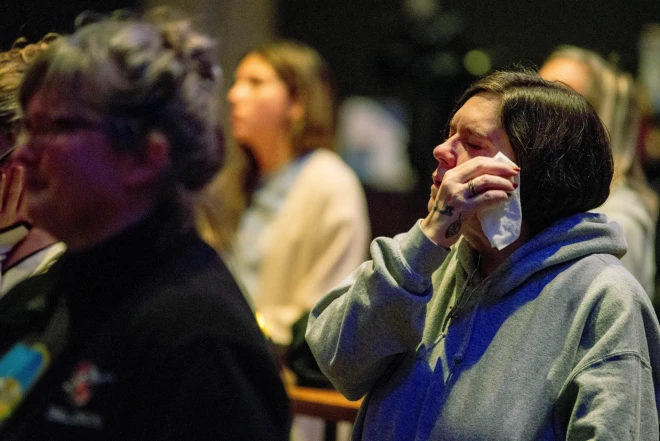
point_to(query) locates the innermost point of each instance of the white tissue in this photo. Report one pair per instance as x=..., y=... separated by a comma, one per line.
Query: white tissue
x=501, y=222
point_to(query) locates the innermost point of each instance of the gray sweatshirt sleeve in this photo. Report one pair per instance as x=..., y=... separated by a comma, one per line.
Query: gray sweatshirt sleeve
x=613, y=391
x=357, y=330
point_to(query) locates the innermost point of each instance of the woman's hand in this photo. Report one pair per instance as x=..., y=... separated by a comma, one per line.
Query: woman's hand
x=463, y=191
x=12, y=209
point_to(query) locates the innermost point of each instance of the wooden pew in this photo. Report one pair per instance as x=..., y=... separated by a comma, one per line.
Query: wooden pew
x=329, y=405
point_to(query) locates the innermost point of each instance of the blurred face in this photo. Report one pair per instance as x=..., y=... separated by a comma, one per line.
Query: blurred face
x=475, y=130
x=260, y=103
x=71, y=171
x=570, y=72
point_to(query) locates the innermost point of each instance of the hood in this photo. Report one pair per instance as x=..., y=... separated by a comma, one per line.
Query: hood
x=571, y=238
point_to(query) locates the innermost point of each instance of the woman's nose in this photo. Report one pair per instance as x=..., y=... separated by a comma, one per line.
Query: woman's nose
x=444, y=154
x=24, y=152
x=234, y=93
x=231, y=94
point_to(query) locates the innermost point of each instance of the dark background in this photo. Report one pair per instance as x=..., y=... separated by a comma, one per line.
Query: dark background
x=34, y=19
x=375, y=49
x=378, y=50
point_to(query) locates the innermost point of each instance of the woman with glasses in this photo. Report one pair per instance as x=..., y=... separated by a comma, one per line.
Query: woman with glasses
x=146, y=335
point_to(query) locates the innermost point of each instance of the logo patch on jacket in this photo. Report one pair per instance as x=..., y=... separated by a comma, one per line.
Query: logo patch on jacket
x=80, y=390
x=83, y=382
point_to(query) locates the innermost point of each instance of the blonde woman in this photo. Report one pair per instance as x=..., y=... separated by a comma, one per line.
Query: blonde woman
x=632, y=203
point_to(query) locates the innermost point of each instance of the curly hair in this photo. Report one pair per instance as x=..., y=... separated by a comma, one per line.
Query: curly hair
x=13, y=64
x=142, y=74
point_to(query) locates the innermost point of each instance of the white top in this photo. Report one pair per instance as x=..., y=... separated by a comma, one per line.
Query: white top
x=35, y=263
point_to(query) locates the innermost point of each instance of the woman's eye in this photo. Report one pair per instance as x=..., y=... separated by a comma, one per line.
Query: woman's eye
x=474, y=146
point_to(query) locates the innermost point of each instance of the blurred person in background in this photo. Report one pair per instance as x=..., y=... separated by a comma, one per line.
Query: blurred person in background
x=287, y=213
x=24, y=250
x=648, y=78
x=632, y=203
x=146, y=334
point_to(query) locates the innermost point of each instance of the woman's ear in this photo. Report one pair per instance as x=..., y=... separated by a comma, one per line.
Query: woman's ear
x=146, y=166
x=296, y=111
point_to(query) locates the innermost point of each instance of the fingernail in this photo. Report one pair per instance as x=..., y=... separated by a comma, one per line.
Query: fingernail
x=516, y=168
x=515, y=185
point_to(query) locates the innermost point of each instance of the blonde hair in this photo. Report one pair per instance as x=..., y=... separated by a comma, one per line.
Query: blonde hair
x=613, y=94
x=13, y=65
x=307, y=79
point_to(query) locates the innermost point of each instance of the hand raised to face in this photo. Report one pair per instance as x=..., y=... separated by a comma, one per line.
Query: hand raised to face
x=464, y=190
x=12, y=208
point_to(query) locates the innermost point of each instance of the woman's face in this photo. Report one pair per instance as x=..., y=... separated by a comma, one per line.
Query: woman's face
x=475, y=130
x=260, y=103
x=71, y=170
x=570, y=72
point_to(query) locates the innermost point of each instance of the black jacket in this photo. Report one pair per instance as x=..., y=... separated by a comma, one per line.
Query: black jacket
x=160, y=345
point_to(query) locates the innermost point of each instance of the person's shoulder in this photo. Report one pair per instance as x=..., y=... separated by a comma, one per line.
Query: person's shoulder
x=627, y=206
x=331, y=176
x=331, y=165
x=610, y=285
x=210, y=294
x=194, y=296
x=174, y=319
x=611, y=312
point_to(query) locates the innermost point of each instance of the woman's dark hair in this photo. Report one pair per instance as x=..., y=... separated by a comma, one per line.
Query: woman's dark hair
x=559, y=141
x=613, y=94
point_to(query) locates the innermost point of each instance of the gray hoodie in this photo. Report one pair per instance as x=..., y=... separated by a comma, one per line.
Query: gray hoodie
x=560, y=342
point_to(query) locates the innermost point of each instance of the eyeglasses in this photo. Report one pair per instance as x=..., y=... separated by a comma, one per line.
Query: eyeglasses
x=4, y=157
x=43, y=131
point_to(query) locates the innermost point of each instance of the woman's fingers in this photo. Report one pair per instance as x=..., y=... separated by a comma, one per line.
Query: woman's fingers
x=466, y=189
x=487, y=183
x=15, y=189
x=483, y=165
x=11, y=191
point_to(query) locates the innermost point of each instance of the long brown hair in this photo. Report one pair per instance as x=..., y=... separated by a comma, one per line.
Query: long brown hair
x=308, y=80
